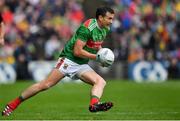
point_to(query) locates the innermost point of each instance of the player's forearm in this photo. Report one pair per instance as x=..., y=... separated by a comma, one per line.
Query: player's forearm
x=84, y=54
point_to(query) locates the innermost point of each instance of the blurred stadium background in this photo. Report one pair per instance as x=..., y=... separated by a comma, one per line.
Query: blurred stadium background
x=145, y=37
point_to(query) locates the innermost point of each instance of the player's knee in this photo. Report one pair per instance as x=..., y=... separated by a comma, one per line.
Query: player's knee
x=43, y=86
x=46, y=86
x=101, y=82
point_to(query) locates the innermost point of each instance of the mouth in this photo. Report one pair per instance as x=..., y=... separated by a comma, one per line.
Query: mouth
x=108, y=24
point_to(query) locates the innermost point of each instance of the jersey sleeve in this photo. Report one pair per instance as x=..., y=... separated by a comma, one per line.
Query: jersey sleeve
x=83, y=33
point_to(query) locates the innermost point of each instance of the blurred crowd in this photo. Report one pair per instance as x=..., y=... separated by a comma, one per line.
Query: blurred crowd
x=142, y=30
x=147, y=30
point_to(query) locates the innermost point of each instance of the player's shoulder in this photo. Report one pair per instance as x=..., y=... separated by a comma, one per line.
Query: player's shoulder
x=90, y=24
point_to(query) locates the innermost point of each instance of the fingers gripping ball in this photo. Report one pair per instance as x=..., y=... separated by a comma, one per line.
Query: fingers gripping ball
x=105, y=56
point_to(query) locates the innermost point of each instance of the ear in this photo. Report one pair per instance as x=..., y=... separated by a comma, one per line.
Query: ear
x=100, y=18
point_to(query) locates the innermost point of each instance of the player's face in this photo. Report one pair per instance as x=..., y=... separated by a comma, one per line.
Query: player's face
x=107, y=20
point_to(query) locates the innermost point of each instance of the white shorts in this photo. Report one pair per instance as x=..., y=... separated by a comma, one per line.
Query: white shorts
x=71, y=69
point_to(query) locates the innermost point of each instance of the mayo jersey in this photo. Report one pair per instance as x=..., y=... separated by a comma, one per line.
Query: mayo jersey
x=90, y=33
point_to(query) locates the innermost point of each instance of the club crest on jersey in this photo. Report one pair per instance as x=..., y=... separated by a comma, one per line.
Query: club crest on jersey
x=65, y=66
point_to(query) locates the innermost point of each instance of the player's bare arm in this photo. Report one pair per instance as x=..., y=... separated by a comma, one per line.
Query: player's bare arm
x=80, y=52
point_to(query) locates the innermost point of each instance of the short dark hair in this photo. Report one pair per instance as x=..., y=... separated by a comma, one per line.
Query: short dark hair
x=103, y=10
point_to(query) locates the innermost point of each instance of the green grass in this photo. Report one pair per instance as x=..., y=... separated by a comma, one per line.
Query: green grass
x=69, y=101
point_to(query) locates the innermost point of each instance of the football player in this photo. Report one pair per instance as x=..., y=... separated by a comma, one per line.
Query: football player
x=73, y=62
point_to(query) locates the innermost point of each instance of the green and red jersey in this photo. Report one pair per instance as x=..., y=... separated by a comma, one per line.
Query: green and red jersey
x=90, y=33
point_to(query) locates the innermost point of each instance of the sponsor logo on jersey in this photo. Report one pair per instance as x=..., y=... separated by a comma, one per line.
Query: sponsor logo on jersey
x=94, y=44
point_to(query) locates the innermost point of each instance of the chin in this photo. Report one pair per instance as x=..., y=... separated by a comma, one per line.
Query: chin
x=107, y=26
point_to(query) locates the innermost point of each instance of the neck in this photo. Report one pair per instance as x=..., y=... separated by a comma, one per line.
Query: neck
x=99, y=24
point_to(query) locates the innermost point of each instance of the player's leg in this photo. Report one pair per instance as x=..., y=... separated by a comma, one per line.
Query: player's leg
x=50, y=81
x=98, y=84
x=54, y=77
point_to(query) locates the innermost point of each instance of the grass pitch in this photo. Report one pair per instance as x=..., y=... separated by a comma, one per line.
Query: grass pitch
x=69, y=101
